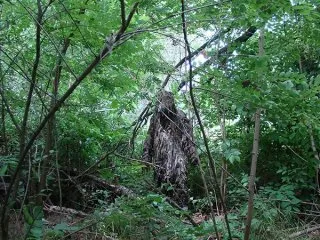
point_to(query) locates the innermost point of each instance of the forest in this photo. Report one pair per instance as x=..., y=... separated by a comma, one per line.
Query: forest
x=159, y=119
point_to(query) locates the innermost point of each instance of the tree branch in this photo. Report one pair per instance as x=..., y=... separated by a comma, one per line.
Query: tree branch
x=304, y=232
x=123, y=14
x=243, y=38
x=211, y=161
x=14, y=121
x=127, y=22
x=194, y=53
x=34, y=72
x=49, y=37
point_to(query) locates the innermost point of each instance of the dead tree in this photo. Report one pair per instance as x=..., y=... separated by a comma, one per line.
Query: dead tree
x=169, y=146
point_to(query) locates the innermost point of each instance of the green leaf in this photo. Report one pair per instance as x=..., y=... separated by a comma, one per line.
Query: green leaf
x=27, y=216
x=3, y=170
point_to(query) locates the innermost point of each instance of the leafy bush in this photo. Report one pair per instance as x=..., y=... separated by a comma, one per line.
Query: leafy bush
x=145, y=218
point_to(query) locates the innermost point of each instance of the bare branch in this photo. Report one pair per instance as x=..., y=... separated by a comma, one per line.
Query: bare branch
x=188, y=10
x=304, y=232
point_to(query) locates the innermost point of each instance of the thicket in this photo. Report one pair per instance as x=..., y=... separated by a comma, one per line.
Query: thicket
x=78, y=84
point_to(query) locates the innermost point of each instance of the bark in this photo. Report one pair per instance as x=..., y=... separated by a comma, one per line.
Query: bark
x=64, y=210
x=223, y=183
x=254, y=160
x=169, y=147
x=255, y=152
x=304, y=232
x=315, y=153
x=3, y=136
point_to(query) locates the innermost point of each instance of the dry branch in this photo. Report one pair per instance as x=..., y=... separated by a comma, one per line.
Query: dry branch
x=64, y=210
x=117, y=189
x=304, y=232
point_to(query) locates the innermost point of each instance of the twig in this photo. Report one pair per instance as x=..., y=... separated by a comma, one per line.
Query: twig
x=5, y=102
x=76, y=23
x=49, y=37
x=186, y=11
x=64, y=210
x=304, y=232
x=296, y=154
x=102, y=158
x=137, y=160
x=243, y=38
x=80, y=229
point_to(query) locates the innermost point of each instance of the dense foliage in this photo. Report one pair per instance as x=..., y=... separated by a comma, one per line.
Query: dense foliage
x=78, y=84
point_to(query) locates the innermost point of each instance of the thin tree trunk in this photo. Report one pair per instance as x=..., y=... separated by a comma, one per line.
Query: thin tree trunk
x=211, y=161
x=316, y=155
x=223, y=180
x=51, y=125
x=23, y=133
x=4, y=151
x=50, y=130
x=255, y=153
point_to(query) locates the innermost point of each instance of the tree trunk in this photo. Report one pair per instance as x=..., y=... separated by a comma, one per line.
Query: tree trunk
x=255, y=153
x=223, y=183
x=4, y=140
x=316, y=155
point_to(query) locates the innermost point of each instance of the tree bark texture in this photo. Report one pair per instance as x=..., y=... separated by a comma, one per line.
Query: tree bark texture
x=169, y=146
x=255, y=153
